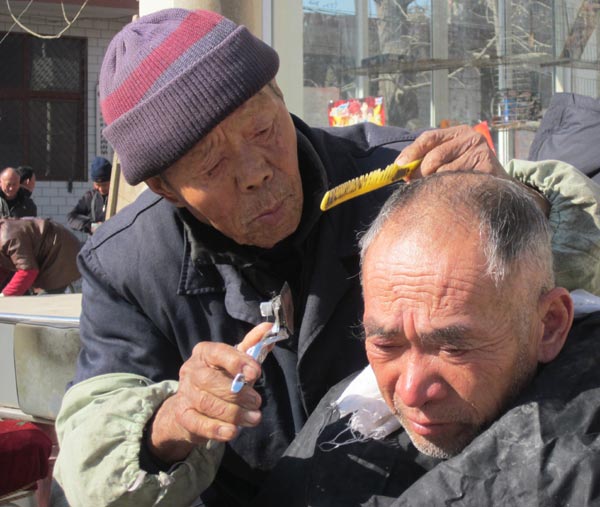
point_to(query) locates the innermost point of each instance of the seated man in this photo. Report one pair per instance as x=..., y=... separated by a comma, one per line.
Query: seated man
x=15, y=201
x=36, y=254
x=478, y=386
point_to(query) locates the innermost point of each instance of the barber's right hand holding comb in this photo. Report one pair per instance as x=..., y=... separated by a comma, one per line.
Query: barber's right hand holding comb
x=451, y=149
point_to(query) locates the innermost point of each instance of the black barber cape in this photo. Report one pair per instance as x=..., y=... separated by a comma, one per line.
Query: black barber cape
x=544, y=450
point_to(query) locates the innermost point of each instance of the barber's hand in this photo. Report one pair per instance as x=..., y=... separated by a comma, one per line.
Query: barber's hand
x=204, y=407
x=451, y=149
x=456, y=148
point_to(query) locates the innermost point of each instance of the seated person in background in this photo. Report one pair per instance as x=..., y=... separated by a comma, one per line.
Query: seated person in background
x=90, y=211
x=39, y=254
x=174, y=282
x=27, y=178
x=14, y=201
x=473, y=389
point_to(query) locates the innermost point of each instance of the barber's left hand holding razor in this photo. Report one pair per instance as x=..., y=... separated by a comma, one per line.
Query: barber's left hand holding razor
x=204, y=407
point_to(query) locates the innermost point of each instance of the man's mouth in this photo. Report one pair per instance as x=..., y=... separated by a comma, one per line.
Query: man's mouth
x=427, y=428
x=271, y=215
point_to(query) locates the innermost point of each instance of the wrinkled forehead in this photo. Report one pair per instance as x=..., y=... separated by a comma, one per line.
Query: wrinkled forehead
x=439, y=281
x=420, y=230
x=432, y=254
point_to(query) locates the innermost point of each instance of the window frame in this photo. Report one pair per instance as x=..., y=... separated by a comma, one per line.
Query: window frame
x=25, y=95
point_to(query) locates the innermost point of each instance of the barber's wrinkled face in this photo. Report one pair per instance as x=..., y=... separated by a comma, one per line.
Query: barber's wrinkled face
x=449, y=350
x=10, y=182
x=243, y=178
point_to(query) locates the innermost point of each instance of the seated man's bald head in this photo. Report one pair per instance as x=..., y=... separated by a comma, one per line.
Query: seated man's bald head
x=460, y=304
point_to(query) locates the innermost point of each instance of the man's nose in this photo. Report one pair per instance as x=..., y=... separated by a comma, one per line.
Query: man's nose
x=419, y=381
x=252, y=172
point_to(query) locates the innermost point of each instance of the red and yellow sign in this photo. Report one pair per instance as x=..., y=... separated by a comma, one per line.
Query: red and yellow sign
x=353, y=111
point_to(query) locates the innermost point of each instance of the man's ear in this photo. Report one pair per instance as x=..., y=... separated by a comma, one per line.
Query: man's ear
x=159, y=186
x=557, y=317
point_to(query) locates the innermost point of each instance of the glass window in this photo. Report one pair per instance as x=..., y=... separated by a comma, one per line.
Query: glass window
x=11, y=147
x=11, y=56
x=42, y=121
x=56, y=64
x=440, y=63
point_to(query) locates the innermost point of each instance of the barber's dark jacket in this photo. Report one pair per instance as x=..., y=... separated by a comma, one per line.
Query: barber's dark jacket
x=543, y=451
x=157, y=282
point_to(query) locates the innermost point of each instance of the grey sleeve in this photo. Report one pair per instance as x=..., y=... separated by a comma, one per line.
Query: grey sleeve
x=574, y=218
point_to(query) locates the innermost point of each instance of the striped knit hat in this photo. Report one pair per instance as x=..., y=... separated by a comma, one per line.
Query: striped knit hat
x=169, y=78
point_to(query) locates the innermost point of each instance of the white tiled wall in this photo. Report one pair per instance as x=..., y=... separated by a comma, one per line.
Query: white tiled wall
x=53, y=199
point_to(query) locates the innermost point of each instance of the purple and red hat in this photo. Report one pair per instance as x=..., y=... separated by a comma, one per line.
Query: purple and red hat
x=169, y=78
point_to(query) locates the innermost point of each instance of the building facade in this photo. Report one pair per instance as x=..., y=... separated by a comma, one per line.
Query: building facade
x=412, y=63
x=49, y=115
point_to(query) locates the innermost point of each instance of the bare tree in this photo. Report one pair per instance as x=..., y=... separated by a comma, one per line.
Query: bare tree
x=489, y=49
x=403, y=35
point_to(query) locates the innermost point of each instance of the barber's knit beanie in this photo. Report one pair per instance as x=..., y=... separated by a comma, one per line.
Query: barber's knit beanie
x=169, y=78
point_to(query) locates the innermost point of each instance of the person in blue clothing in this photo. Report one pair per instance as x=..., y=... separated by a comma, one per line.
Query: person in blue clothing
x=173, y=283
x=90, y=211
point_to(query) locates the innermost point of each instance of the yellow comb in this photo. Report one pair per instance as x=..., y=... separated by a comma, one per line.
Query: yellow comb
x=367, y=183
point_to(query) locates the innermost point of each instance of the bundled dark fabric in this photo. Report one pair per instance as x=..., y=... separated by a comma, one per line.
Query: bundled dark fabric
x=569, y=131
